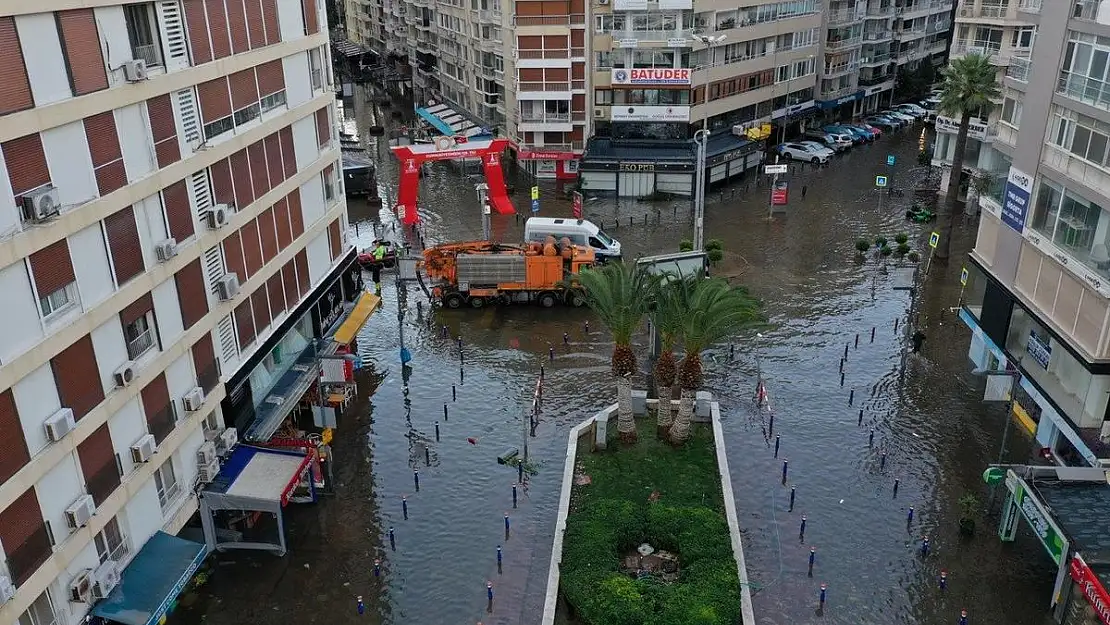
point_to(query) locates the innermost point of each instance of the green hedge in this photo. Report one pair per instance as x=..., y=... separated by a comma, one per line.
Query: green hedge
x=600, y=532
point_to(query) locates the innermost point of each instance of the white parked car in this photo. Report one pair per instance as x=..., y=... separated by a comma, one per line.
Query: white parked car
x=899, y=115
x=803, y=152
x=911, y=109
x=819, y=147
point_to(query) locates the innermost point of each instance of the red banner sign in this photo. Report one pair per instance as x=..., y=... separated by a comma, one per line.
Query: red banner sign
x=779, y=194
x=577, y=205
x=1092, y=588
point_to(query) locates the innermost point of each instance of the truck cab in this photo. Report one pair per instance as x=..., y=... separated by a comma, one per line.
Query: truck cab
x=580, y=232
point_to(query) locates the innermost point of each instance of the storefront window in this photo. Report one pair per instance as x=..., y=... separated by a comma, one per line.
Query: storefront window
x=1079, y=227
x=280, y=359
x=1079, y=394
x=975, y=291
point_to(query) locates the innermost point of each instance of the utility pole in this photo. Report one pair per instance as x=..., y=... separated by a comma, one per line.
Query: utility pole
x=701, y=137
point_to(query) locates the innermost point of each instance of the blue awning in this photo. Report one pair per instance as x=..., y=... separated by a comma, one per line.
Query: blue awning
x=436, y=122
x=153, y=580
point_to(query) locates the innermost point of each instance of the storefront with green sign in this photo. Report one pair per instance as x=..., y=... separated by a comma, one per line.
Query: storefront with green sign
x=1022, y=503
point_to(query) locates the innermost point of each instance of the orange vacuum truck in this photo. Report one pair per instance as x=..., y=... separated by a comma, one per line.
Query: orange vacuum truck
x=477, y=273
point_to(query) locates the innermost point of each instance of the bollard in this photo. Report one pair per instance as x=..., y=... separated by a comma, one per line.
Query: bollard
x=871, y=439
x=882, y=461
x=802, y=531
x=541, y=372
x=842, y=376
x=377, y=567
x=437, y=431
x=392, y=540
x=851, y=396
x=428, y=457
x=859, y=422
x=731, y=352
x=896, y=481
x=924, y=546
x=872, y=334
x=845, y=351
x=489, y=591
x=514, y=495
x=963, y=617
x=551, y=353
x=499, y=554
x=785, y=466
x=909, y=516
x=824, y=587
x=443, y=332
x=405, y=507
x=458, y=342
x=454, y=396
x=506, y=523
x=416, y=480
x=812, y=556
x=857, y=341
x=445, y=413
x=776, y=446
x=943, y=579
x=896, y=325
x=586, y=326
x=566, y=339
x=791, y=498
x=360, y=606
x=520, y=472
x=771, y=424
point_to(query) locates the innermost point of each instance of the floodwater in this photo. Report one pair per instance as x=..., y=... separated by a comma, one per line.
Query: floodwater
x=937, y=434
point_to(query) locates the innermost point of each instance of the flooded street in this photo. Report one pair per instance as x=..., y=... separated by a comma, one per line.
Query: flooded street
x=936, y=432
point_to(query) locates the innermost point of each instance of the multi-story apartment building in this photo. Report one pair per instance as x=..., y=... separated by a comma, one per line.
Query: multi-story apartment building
x=661, y=71
x=169, y=214
x=1002, y=31
x=1039, y=298
x=866, y=44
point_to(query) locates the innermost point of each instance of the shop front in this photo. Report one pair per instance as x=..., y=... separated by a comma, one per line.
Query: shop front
x=840, y=109
x=548, y=164
x=150, y=585
x=638, y=178
x=790, y=121
x=877, y=97
x=1023, y=502
x=727, y=157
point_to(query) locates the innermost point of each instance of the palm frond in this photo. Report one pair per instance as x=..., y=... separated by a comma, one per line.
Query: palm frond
x=669, y=308
x=620, y=294
x=970, y=83
x=715, y=311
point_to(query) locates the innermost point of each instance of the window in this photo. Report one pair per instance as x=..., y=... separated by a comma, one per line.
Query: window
x=273, y=101
x=110, y=542
x=41, y=612
x=1083, y=136
x=603, y=60
x=210, y=423
x=315, y=69
x=219, y=127
x=329, y=186
x=1076, y=225
x=244, y=115
x=1084, y=72
x=166, y=482
x=142, y=32
x=1011, y=111
x=139, y=335
x=603, y=96
x=59, y=300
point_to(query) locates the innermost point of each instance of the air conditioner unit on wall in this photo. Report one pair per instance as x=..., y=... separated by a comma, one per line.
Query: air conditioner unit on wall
x=144, y=448
x=42, y=204
x=166, y=250
x=125, y=374
x=105, y=578
x=80, y=588
x=218, y=216
x=80, y=511
x=135, y=70
x=227, y=439
x=206, y=453
x=59, y=424
x=194, y=399
x=207, y=471
x=227, y=287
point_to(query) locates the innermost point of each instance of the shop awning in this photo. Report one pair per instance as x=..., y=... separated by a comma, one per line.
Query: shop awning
x=436, y=122
x=152, y=581
x=254, y=478
x=348, y=330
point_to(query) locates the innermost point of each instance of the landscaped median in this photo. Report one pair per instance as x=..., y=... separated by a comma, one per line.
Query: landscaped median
x=647, y=532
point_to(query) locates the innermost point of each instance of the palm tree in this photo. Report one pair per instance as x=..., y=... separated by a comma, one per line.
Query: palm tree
x=970, y=85
x=620, y=294
x=715, y=311
x=667, y=315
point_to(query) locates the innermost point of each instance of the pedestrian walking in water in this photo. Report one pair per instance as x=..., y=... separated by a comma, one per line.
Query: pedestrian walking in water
x=804, y=189
x=918, y=339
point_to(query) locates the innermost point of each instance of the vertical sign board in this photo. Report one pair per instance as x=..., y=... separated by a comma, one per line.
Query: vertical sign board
x=1051, y=536
x=1015, y=198
x=577, y=205
x=535, y=199
x=890, y=160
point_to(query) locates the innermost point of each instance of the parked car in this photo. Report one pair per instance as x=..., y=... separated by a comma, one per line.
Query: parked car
x=858, y=135
x=909, y=119
x=884, y=123
x=874, y=131
x=834, y=142
x=820, y=147
x=911, y=109
x=800, y=152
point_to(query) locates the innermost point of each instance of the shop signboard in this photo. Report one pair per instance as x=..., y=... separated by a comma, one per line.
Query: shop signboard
x=1092, y=588
x=651, y=114
x=1015, y=198
x=976, y=128
x=794, y=109
x=630, y=5
x=650, y=76
x=1043, y=526
x=1039, y=349
x=577, y=205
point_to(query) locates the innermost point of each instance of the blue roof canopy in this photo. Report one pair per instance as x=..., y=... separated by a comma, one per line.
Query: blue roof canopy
x=436, y=122
x=155, y=577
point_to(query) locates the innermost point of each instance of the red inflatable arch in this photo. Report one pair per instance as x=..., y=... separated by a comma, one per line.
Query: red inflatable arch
x=412, y=157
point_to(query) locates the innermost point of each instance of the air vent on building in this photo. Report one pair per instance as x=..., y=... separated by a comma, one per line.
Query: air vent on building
x=202, y=194
x=214, y=267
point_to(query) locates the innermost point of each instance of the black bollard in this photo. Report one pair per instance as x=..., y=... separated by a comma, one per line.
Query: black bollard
x=416, y=480
x=506, y=525
x=842, y=369
x=771, y=424
x=859, y=422
x=377, y=567
x=812, y=559
x=443, y=331
x=802, y=531
x=909, y=516
x=541, y=373
x=405, y=508
x=791, y=498
x=731, y=352
x=845, y=351
x=445, y=413
x=785, y=467
x=586, y=326
x=882, y=461
x=851, y=396
x=454, y=396
x=872, y=334
x=551, y=353
x=871, y=438
x=458, y=342
x=514, y=495
x=437, y=431
x=520, y=472
x=566, y=339
x=427, y=457
x=776, y=446
x=896, y=325
x=392, y=540
x=857, y=341
x=896, y=487
x=842, y=376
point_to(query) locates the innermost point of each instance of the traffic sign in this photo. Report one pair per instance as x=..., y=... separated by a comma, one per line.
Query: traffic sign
x=934, y=239
x=994, y=475
x=963, y=277
x=535, y=193
x=535, y=206
x=880, y=181
x=776, y=169
x=890, y=160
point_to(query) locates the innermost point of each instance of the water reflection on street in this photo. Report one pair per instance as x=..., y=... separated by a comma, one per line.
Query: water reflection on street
x=931, y=423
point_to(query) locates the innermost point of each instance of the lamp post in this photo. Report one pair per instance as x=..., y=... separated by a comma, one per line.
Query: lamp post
x=701, y=137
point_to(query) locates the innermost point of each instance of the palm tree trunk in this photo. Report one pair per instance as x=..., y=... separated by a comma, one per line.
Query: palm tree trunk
x=952, y=194
x=626, y=422
x=664, y=414
x=680, y=430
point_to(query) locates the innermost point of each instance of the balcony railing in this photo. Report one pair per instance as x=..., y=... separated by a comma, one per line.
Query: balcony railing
x=542, y=86
x=549, y=20
x=882, y=35
x=843, y=17
x=910, y=33
x=843, y=68
x=489, y=17
x=1088, y=90
x=985, y=48
x=149, y=54
x=875, y=80
x=837, y=93
x=544, y=118
x=25, y=559
x=141, y=344
x=875, y=59
x=1029, y=6
x=653, y=35
x=880, y=11
x=1019, y=68
x=547, y=53
x=1087, y=10
x=843, y=44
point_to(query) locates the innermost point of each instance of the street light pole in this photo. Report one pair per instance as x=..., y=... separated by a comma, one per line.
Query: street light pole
x=701, y=137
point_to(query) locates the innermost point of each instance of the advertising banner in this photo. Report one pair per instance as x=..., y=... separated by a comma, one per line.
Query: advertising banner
x=1015, y=198
x=976, y=128
x=651, y=113
x=779, y=194
x=577, y=205
x=650, y=76
x=1092, y=588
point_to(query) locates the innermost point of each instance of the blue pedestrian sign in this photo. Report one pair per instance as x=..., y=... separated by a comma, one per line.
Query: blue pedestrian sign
x=890, y=160
x=880, y=181
x=535, y=206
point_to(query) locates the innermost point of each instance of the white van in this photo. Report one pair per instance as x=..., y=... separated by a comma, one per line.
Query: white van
x=579, y=231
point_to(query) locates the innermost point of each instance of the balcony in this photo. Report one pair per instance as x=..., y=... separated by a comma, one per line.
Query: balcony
x=1087, y=90
x=878, y=36
x=875, y=60
x=573, y=146
x=984, y=11
x=843, y=44
x=839, y=70
x=909, y=34
x=1029, y=6
x=871, y=81
x=845, y=17
x=920, y=9
x=543, y=118
x=489, y=17
x=1006, y=134
x=838, y=93
x=490, y=45
x=879, y=12
x=656, y=36
x=549, y=20
x=543, y=90
x=961, y=47
x=1018, y=69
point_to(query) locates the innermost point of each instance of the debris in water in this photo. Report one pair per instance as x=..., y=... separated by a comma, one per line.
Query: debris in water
x=472, y=440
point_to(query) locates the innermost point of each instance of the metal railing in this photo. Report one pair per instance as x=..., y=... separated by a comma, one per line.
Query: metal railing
x=1018, y=68
x=140, y=344
x=547, y=53
x=1086, y=9
x=544, y=118
x=548, y=20
x=882, y=35
x=1029, y=6
x=843, y=44
x=836, y=93
x=876, y=59
x=493, y=17
x=967, y=46
x=880, y=11
x=554, y=147
x=653, y=35
x=842, y=68
x=845, y=16
x=910, y=33
x=986, y=11
x=542, y=86
x=875, y=80
x=1088, y=90
x=150, y=54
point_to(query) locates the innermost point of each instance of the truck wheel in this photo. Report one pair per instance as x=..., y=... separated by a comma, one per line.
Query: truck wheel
x=453, y=300
x=547, y=300
x=477, y=302
x=575, y=299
